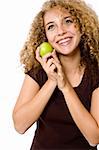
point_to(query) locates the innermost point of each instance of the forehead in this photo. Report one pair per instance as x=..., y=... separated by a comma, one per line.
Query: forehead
x=56, y=12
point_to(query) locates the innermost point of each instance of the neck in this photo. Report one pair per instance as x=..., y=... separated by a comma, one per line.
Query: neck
x=70, y=63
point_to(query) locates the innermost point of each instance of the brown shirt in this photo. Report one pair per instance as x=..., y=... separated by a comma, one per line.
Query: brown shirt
x=56, y=129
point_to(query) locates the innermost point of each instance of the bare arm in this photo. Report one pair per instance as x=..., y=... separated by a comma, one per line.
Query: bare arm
x=31, y=102
x=88, y=123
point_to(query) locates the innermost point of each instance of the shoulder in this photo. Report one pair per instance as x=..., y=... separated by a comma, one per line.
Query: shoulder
x=38, y=74
x=93, y=75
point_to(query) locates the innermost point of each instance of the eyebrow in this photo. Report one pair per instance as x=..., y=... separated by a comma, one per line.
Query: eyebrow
x=53, y=21
x=67, y=17
x=49, y=23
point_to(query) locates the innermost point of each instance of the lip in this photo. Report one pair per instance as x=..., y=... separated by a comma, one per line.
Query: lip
x=63, y=38
x=64, y=41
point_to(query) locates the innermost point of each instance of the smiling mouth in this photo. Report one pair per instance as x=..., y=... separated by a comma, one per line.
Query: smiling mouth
x=64, y=42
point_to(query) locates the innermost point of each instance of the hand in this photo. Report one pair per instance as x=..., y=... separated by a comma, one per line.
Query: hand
x=60, y=74
x=53, y=68
x=47, y=62
x=61, y=77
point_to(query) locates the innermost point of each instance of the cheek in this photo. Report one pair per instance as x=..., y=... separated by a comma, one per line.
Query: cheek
x=50, y=37
x=79, y=35
x=77, y=32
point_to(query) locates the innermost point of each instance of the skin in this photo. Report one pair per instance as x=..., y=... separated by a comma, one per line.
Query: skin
x=68, y=75
x=61, y=31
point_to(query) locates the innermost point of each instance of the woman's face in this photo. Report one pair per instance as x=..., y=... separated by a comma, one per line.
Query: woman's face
x=61, y=31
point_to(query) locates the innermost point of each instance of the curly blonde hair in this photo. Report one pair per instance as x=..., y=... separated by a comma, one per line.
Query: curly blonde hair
x=89, y=27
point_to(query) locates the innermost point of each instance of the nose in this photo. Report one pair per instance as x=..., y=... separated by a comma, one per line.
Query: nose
x=61, y=31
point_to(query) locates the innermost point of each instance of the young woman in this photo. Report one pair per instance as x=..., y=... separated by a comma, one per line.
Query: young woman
x=61, y=90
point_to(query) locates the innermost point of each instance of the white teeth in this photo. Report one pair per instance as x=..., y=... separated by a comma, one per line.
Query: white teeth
x=64, y=40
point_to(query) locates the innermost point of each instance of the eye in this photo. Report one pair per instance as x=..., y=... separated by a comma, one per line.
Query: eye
x=68, y=21
x=50, y=27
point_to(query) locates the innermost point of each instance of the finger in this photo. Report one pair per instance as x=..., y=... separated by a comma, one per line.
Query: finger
x=58, y=66
x=46, y=57
x=53, y=67
x=55, y=56
x=38, y=55
x=60, y=75
x=50, y=62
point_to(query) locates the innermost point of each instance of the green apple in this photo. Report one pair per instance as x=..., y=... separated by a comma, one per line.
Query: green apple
x=45, y=48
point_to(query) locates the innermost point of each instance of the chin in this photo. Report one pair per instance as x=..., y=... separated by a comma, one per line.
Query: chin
x=65, y=52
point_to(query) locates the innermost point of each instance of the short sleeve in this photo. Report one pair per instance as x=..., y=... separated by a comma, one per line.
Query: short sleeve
x=38, y=75
x=96, y=81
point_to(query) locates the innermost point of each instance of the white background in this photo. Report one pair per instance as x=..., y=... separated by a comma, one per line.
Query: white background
x=15, y=20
